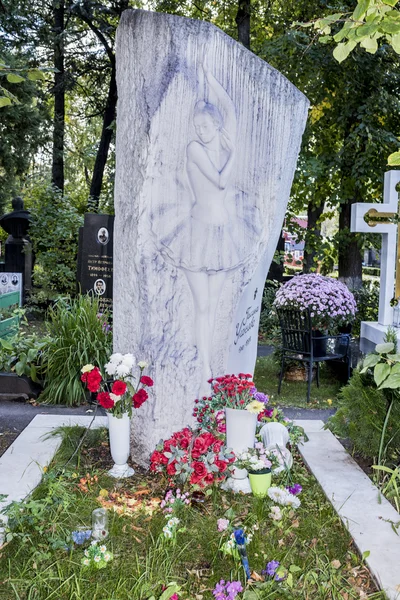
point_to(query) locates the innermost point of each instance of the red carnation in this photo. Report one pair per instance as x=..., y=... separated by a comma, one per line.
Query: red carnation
x=139, y=398
x=146, y=381
x=103, y=398
x=119, y=388
x=93, y=380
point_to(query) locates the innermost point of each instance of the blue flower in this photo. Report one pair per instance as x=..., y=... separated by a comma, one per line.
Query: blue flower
x=79, y=537
x=240, y=538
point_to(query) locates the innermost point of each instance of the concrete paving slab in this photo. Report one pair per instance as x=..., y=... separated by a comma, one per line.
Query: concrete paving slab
x=367, y=515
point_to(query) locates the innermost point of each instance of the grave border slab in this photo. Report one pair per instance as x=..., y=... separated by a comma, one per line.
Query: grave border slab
x=354, y=497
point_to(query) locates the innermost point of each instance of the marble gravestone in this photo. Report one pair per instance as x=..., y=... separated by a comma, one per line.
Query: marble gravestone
x=208, y=136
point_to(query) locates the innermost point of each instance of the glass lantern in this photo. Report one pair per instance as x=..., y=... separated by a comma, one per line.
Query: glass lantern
x=99, y=524
x=396, y=315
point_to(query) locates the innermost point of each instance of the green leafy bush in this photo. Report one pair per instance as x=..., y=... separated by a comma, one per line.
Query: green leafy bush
x=54, y=234
x=79, y=334
x=269, y=324
x=361, y=415
x=22, y=355
x=367, y=299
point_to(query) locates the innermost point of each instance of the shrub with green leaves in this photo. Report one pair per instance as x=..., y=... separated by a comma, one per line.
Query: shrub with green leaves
x=22, y=355
x=79, y=334
x=367, y=298
x=369, y=406
x=54, y=234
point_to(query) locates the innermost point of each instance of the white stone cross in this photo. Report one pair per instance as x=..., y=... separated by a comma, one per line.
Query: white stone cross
x=367, y=218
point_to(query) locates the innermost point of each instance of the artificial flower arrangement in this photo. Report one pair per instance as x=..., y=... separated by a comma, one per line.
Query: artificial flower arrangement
x=239, y=391
x=96, y=556
x=200, y=459
x=332, y=305
x=118, y=393
x=228, y=391
x=257, y=459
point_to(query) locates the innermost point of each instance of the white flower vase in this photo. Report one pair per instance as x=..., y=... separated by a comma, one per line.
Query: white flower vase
x=119, y=431
x=240, y=435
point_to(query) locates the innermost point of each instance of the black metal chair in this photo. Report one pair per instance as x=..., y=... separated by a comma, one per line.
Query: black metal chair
x=300, y=342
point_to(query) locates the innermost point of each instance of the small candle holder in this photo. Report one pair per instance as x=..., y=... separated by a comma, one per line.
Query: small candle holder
x=99, y=524
x=396, y=315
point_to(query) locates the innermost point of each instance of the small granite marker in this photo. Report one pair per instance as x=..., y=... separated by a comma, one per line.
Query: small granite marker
x=208, y=136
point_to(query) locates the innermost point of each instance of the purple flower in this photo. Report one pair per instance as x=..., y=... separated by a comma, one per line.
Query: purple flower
x=259, y=396
x=295, y=489
x=271, y=568
x=228, y=590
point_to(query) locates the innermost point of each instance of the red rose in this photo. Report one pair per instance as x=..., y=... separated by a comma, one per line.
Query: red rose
x=171, y=468
x=199, y=472
x=217, y=446
x=183, y=438
x=202, y=443
x=156, y=459
x=221, y=464
x=140, y=397
x=93, y=380
x=209, y=478
x=103, y=398
x=146, y=381
x=119, y=388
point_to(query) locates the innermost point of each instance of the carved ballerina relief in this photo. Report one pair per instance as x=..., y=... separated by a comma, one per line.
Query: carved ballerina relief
x=211, y=230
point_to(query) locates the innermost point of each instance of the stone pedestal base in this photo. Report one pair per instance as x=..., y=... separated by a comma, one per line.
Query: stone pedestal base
x=373, y=333
x=121, y=471
x=237, y=485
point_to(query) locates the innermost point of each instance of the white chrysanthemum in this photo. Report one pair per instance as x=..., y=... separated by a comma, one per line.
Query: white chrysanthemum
x=107, y=556
x=122, y=370
x=277, y=495
x=110, y=368
x=293, y=501
x=167, y=532
x=86, y=553
x=86, y=562
x=143, y=364
x=173, y=522
x=275, y=513
x=116, y=358
x=129, y=360
x=103, y=549
x=97, y=558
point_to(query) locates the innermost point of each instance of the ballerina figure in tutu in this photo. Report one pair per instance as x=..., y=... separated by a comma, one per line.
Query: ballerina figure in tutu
x=211, y=251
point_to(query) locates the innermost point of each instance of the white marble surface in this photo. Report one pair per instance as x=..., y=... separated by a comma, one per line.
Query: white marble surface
x=208, y=136
x=366, y=515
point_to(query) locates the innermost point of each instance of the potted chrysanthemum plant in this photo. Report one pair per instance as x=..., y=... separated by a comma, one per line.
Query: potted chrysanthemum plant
x=118, y=394
x=259, y=463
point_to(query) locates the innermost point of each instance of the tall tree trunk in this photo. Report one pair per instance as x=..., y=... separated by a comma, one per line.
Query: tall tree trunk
x=105, y=140
x=57, y=175
x=243, y=22
x=350, y=258
x=313, y=237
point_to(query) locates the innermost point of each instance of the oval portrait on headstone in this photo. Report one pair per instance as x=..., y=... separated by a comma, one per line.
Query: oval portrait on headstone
x=99, y=287
x=14, y=279
x=4, y=279
x=103, y=236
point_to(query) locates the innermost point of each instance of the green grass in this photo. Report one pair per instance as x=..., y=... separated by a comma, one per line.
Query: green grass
x=310, y=542
x=294, y=393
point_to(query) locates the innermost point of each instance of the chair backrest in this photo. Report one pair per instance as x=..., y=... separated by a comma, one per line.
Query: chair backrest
x=296, y=329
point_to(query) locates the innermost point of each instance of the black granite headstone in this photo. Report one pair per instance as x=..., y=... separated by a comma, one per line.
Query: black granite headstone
x=95, y=258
